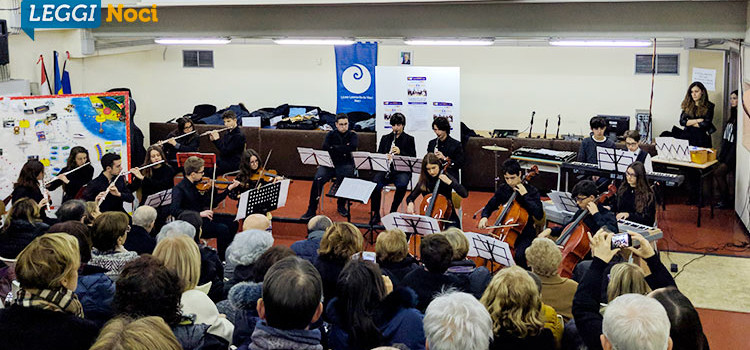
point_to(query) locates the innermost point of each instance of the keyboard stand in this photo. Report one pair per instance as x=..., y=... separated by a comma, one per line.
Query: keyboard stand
x=545, y=165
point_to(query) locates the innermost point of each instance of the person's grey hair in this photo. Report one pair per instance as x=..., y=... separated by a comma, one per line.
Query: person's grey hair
x=176, y=228
x=636, y=322
x=144, y=216
x=73, y=209
x=248, y=246
x=319, y=223
x=457, y=320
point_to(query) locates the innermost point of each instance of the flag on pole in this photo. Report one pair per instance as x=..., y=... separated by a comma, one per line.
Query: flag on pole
x=58, y=82
x=65, y=79
x=44, y=85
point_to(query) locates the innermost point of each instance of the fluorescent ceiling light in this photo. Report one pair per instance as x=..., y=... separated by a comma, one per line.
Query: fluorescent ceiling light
x=450, y=42
x=337, y=41
x=602, y=43
x=192, y=41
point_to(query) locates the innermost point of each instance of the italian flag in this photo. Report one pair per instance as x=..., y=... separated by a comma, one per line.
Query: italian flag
x=44, y=85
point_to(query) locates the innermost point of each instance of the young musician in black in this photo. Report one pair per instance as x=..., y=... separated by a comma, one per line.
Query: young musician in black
x=249, y=175
x=445, y=146
x=114, y=196
x=632, y=137
x=396, y=143
x=154, y=179
x=185, y=196
x=339, y=143
x=73, y=182
x=230, y=145
x=28, y=185
x=587, y=151
x=635, y=198
x=585, y=193
x=428, y=177
x=528, y=198
x=188, y=143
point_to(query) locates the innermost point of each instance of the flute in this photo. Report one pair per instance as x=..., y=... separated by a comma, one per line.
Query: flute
x=143, y=167
x=173, y=138
x=106, y=192
x=66, y=173
x=210, y=131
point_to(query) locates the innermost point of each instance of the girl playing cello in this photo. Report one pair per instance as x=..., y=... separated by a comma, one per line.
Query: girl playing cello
x=431, y=176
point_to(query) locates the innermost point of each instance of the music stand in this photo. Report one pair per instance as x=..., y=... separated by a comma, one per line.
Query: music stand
x=614, y=159
x=407, y=164
x=311, y=156
x=411, y=224
x=263, y=199
x=159, y=199
x=353, y=189
x=563, y=201
x=370, y=161
x=489, y=248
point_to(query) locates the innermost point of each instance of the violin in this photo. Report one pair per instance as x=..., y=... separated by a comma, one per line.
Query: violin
x=437, y=205
x=221, y=183
x=574, y=240
x=513, y=217
x=264, y=175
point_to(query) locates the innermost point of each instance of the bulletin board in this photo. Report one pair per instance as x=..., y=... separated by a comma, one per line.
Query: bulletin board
x=47, y=127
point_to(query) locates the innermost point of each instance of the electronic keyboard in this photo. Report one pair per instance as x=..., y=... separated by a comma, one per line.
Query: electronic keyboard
x=593, y=169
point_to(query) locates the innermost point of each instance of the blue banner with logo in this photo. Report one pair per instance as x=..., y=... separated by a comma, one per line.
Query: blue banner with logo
x=355, y=77
x=59, y=14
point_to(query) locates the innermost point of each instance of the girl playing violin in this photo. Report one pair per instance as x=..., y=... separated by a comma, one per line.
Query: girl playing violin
x=251, y=173
x=428, y=177
x=73, y=182
x=635, y=198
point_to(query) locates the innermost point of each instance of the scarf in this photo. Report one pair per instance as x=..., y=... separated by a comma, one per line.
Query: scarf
x=61, y=300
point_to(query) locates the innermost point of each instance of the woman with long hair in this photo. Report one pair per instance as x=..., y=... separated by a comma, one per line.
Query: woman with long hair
x=340, y=241
x=727, y=155
x=686, y=330
x=635, y=198
x=156, y=178
x=23, y=223
x=697, y=116
x=28, y=184
x=72, y=184
x=366, y=314
x=250, y=173
x=515, y=305
x=188, y=143
x=428, y=177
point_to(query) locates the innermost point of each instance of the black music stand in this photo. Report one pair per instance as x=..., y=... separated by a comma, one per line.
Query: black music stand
x=489, y=248
x=411, y=224
x=159, y=199
x=353, y=189
x=263, y=199
x=370, y=161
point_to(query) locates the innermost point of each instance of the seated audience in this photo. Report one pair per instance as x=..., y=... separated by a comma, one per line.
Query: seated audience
x=625, y=278
x=47, y=314
x=139, y=238
x=180, y=254
x=339, y=243
x=436, y=254
x=22, y=224
x=148, y=288
x=308, y=248
x=245, y=249
x=95, y=290
x=634, y=321
x=256, y=222
x=292, y=290
x=73, y=209
x=145, y=333
x=212, y=269
x=392, y=254
x=515, y=306
x=92, y=212
x=544, y=257
x=108, y=234
x=552, y=320
x=366, y=314
x=456, y=320
x=475, y=279
x=685, y=330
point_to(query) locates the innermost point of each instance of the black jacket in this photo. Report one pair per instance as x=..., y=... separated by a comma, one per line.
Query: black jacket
x=542, y=341
x=700, y=136
x=110, y=203
x=427, y=284
x=405, y=143
x=231, y=145
x=340, y=146
x=397, y=270
x=212, y=271
x=34, y=193
x=76, y=180
x=329, y=272
x=162, y=178
x=32, y=328
x=530, y=201
x=186, y=197
x=594, y=222
x=452, y=149
x=625, y=203
x=443, y=189
x=139, y=240
x=15, y=237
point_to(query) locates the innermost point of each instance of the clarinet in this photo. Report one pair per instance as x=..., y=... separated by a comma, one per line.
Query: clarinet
x=389, y=163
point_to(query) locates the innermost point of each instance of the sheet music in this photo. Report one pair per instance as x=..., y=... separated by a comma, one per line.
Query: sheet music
x=263, y=199
x=490, y=248
x=242, y=206
x=356, y=189
x=370, y=161
x=608, y=157
x=284, y=192
x=306, y=155
x=159, y=199
x=673, y=149
x=323, y=158
x=563, y=201
x=419, y=224
x=406, y=163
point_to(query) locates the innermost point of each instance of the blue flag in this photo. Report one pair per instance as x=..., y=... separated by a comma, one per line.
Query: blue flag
x=355, y=77
x=65, y=79
x=58, y=82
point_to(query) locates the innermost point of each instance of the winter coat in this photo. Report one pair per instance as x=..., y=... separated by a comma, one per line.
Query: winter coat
x=474, y=279
x=397, y=270
x=18, y=235
x=308, y=248
x=32, y=328
x=193, y=336
x=243, y=298
x=95, y=292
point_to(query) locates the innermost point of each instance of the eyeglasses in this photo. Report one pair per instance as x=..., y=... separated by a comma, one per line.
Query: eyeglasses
x=630, y=174
x=580, y=199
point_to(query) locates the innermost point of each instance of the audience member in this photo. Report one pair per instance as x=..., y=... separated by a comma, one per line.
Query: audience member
x=145, y=333
x=92, y=212
x=292, y=290
x=22, y=224
x=552, y=320
x=246, y=247
x=139, y=238
x=47, y=313
x=474, y=279
x=392, y=254
x=212, y=269
x=436, y=254
x=625, y=278
x=108, y=234
x=456, y=320
x=365, y=315
x=686, y=329
x=74, y=209
x=308, y=248
x=544, y=257
x=635, y=321
x=339, y=243
x=515, y=306
x=176, y=228
x=148, y=288
x=180, y=254
x=256, y=222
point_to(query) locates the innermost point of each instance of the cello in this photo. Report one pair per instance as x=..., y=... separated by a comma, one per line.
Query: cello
x=513, y=218
x=574, y=241
x=437, y=205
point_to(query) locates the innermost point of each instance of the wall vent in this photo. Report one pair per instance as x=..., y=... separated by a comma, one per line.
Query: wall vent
x=665, y=64
x=197, y=59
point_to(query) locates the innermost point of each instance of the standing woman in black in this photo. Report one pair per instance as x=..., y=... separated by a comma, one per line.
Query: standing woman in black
x=428, y=177
x=29, y=185
x=73, y=182
x=188, y=143
x=152, y=180
x=697, y=116
x=635, y=198
x=727, y=155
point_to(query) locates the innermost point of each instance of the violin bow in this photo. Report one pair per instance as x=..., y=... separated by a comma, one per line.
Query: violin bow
x=213, y=184
x=263, y=169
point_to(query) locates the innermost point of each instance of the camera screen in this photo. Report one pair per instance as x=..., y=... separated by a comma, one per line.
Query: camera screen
x=621, y=240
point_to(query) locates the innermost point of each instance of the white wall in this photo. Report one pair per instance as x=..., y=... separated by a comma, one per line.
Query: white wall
x=742, y=173
x=500, y=86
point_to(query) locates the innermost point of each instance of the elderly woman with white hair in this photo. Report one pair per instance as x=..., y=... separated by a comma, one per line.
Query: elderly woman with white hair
x=245, y=249
x=139, y=238
x=457, y=320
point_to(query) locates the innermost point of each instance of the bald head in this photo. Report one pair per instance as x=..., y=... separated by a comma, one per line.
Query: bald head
x=256, y=222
